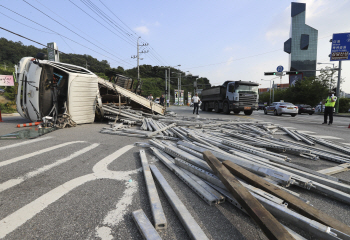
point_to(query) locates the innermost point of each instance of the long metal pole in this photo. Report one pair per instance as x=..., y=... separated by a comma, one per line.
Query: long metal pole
x=169, y=88
x=273, y=89
x=270, y=93
x=166, y=88
x=180, y=86
x=138, y=59
x=338, y=89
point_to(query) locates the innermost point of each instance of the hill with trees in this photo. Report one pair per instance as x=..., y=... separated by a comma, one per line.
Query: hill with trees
x=153, y=77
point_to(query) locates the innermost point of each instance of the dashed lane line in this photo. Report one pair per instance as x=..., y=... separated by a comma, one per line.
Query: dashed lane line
x=13, y=182
x=17, y=159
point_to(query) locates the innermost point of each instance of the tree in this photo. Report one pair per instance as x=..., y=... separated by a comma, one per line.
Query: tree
x=329, y=78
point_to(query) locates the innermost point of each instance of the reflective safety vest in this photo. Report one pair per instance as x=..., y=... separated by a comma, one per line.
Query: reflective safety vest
x=329, y=102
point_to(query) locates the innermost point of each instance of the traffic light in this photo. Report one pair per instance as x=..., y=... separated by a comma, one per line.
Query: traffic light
x=269, y=73
x=289, y=73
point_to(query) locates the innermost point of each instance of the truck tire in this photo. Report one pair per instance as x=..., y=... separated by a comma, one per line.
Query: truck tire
x=248, y=112
x=226, y=108
x=203, y=106
x=236, y=112
x=216, y=107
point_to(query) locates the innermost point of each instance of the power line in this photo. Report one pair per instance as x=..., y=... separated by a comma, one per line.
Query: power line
x=118, y=17
x=100, y=23
x=103, y=14
x=67, y=27
x=73, y=26
x=39, y=43
x=63, y=36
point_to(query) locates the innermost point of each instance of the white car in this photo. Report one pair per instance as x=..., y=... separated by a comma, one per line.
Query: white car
x=279, y=108
x=318, y=108
x=157, y=100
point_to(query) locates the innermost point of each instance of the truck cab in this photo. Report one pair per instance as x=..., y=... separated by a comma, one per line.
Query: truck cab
x=47, y=88
x=233, y=96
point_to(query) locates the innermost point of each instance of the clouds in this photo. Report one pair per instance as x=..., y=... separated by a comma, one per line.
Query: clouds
x=145, y=28
x=142, y=30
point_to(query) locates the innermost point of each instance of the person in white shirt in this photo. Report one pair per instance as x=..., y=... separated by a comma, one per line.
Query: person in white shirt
x=167, y=102
x=195, y=101
x=150, y=97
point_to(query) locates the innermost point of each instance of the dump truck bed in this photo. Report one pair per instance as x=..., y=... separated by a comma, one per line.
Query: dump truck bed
x=133, y=97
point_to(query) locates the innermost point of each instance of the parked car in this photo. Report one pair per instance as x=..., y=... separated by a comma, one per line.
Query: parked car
x=303, y=108
x=157, y=100
x=279, y=108
x=2, y=91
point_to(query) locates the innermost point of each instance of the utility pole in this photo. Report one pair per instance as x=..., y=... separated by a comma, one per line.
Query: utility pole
x=338, y=89
x=5, y=65
x=273, y=89
x=138, y=59
x=166, y=88
x=86, y=65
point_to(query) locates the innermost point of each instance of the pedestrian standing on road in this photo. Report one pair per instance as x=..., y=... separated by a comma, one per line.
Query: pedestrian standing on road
x=161, y=100
x=167, y=102
x=150, y=97
x=195, y=101
x=329, y=108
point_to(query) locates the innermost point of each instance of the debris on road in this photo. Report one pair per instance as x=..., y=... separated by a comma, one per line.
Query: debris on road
x=263, y=167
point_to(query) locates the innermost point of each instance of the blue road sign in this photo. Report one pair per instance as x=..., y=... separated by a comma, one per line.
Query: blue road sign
x=340, y=47
x=280, y=68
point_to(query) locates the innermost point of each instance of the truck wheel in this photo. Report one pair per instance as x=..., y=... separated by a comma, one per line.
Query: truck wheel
x=236, y=112
x=249, y=112
x=207, y=107
x=226, y=109
x=203, y=106
x=216, y=107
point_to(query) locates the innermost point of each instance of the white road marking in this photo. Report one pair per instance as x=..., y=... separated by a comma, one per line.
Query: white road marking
x=13, y=182
x=290, y=127
x=346, y=144
x=21, y=216
x=16, y=159
x=24, y=143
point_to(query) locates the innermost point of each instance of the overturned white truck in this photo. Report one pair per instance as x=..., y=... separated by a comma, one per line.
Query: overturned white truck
x=48, y=88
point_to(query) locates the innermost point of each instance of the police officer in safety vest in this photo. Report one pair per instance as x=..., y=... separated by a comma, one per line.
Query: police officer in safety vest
x=329, y=108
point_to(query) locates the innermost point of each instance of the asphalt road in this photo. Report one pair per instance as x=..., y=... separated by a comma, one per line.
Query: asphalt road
x=77, y=183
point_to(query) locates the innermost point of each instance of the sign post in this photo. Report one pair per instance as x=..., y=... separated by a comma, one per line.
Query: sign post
x=340, y=52
x=280, y=72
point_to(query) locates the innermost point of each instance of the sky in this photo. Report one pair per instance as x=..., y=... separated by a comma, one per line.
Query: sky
x=221, y=40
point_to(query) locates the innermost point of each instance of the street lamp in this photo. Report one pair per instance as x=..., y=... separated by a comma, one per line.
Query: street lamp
x=330, y=82
x=169, y=82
